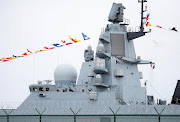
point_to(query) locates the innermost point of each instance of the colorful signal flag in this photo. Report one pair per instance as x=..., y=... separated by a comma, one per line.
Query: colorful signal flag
x=74, y=40
x=148, y=24
x=85, y=37
x=118, y=62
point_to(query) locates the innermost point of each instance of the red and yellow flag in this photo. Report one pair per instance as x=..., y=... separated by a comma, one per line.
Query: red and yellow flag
x=25, y=54
x=74, y=40
x=49, y=48
x=40, y=51
x=148, y=24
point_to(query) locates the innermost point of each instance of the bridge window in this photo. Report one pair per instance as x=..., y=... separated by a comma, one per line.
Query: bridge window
x=35, y=89
x=41, y=89
x=47, y=89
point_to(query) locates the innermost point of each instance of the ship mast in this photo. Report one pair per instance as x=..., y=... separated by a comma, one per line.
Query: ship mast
x=134, y=35
x=142, y=17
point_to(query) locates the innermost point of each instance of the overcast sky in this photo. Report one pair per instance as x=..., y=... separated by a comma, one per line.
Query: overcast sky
x=34, y=24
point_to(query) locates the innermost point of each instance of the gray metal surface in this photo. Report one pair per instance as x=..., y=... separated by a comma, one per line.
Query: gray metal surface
x=117, y=44
x=103, y=86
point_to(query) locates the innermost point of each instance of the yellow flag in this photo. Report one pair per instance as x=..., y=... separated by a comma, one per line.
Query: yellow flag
x=148, y=24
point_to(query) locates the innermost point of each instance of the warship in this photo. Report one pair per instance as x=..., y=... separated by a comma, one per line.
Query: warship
x=108, y=88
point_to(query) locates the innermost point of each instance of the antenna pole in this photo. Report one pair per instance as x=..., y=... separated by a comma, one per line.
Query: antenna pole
x=142, y=17
x=142, y=6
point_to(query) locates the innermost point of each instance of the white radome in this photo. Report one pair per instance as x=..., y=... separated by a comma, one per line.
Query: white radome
x=65, y=72
x=100, y=48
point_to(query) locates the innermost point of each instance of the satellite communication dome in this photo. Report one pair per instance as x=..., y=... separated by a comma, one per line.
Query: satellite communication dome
x=100, y=48
x=65, y=74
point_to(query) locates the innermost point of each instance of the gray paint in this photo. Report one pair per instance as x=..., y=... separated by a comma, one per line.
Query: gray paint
x=117, y=44
x=114, y=92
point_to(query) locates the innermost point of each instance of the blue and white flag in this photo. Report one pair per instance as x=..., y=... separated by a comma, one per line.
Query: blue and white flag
x=85, y=37
x=57, y=45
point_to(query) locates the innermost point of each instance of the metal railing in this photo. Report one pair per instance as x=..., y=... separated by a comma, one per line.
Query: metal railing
x=90, y=118
x=8, y=115
x=133, y=29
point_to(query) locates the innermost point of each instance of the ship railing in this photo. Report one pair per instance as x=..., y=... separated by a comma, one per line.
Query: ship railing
x=125, y=22
x=76, y=117
x=133, y=29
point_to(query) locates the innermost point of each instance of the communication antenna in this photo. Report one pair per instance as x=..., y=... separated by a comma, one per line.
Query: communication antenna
x=142, y=11
x=134, y=35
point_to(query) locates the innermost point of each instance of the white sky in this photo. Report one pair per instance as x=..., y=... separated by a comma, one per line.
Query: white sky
x=34, y=24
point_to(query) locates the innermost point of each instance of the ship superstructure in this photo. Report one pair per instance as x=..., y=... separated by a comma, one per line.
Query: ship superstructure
x=108, y=86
